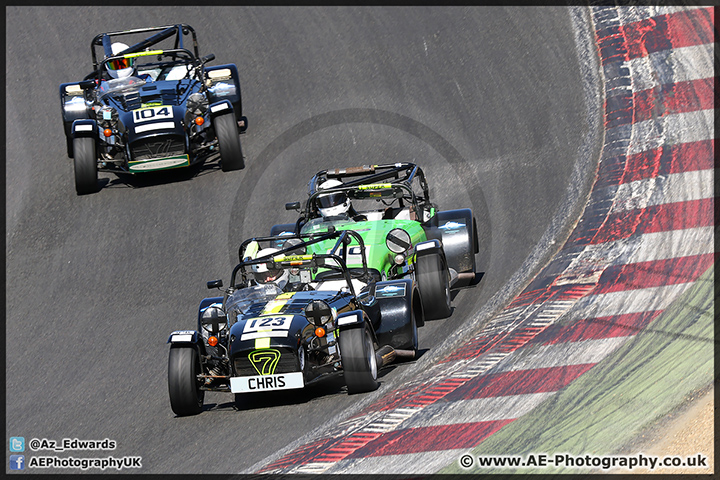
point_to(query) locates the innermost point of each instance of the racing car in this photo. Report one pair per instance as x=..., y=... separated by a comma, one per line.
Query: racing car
x=405, y=234
x=290, y=318
x=153, y=105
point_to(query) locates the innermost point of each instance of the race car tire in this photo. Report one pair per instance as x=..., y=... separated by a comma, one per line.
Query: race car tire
x=226, y=129
x=358, y=360
x=434, y=284
x=85, y=163
x=186, y=398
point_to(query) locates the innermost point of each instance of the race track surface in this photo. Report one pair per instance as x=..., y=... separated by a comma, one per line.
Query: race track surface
x=489, y=101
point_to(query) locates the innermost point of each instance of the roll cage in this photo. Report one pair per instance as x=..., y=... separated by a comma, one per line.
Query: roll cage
x=177, y=55
x=391, y=181
x=292, y=255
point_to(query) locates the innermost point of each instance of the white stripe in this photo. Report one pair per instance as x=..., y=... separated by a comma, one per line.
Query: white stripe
x=218, y=108
x=672, y=130
x=671, y=66
x=629, y=15
x=560, y=354
x=83, y=128
x=276, y=333
x=411, y=463
x=672, y=188
x=628, y=301
x=477, y=410
x=154, y=126
x=650, y=247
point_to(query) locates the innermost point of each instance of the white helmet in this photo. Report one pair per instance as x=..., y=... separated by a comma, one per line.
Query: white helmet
x=264, y=275
x=122, y=67
x=332, y=204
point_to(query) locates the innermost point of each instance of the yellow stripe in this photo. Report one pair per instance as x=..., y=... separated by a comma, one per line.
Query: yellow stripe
x=262, y=342
x=274, y=306
x=143, y=54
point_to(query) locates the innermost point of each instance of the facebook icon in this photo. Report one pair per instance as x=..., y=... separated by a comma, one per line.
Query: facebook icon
x=17, y=462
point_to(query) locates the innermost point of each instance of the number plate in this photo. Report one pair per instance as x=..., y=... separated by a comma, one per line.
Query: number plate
x=266, y=383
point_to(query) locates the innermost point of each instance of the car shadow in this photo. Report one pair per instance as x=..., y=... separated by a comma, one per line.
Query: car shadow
x=161, y=177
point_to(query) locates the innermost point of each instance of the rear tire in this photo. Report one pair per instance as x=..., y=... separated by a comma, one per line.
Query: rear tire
x=85, y=162
x=432, y=278
x=358, y=360
x=226, y=129
x=186, y=398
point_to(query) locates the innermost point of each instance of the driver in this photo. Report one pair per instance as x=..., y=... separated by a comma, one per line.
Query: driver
x=336, y=204
x=263, y=275
x=123, y=67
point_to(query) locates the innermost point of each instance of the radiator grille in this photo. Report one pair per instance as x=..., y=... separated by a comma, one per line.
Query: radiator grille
x=161, y=147
x=287, y=362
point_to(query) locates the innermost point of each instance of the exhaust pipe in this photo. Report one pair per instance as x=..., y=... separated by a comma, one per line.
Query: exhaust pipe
x=385, y=355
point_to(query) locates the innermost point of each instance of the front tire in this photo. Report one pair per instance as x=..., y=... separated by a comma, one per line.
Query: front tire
x=186, y=398
x=85, y=162
x=434, y=284
x=226, y=129
x=358, y=360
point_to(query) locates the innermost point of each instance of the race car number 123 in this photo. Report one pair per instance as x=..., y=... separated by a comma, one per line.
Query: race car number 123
x=146, y=114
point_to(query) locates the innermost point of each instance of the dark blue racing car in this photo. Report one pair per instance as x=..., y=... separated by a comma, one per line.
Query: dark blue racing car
x=151, y=105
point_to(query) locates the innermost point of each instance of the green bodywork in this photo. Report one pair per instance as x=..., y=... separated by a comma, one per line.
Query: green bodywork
x=373, y=233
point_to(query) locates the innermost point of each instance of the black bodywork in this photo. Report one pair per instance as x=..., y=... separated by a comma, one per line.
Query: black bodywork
x=163, y=115
x=264, y=333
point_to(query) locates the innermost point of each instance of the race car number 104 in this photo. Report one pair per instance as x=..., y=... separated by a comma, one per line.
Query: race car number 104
x=155, y=113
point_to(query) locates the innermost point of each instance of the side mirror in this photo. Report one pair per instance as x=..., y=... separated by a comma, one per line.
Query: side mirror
x=214, y=284
x=292, y=206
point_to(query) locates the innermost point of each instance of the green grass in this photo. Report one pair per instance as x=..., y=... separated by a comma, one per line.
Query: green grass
x=643, y=380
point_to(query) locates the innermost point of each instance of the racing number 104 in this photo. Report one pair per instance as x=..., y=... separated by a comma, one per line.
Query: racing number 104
x=151, y=113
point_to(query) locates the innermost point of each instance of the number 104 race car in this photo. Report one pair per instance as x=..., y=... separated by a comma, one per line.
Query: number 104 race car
x=291, y=318
x=152, y=105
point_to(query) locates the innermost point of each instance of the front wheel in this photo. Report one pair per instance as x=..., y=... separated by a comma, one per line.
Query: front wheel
x=358, y=360
x=434, y=284
x=85, y=162
x=226, y=129
x=186, y=398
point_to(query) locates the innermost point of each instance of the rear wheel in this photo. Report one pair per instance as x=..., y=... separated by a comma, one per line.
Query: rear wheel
x=358, y=360
x=226, y=129
x=85, y=162
x=432, y=278
x=186, y=398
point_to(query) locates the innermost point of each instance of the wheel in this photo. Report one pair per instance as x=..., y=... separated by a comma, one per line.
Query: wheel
x=434, y=284
x=226, y=129
x=85, y=161
x=358, y=360
x=186, y=398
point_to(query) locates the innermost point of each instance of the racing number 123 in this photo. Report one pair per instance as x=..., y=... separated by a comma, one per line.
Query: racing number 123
x=267, y=322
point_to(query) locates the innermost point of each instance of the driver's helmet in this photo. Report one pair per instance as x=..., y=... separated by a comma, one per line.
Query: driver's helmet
x=332, y=204
x=263, y=275
x=122, y=67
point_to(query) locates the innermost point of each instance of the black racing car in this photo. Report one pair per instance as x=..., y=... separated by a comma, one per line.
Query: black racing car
x=326, y=320
x=153, y=105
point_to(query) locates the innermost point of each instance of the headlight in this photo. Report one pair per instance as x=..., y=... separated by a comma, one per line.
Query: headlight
x=296, y=251
x=398, y=240
x=319, y=313
x=197, y=104
x=214, y=320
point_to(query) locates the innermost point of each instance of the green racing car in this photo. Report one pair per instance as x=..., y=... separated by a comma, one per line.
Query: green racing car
x=405, y=235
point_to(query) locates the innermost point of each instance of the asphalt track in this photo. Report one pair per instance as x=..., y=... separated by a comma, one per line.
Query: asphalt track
x=490, y=101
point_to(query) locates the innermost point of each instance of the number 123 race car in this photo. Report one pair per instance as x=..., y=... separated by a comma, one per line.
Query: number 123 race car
x=291, y=318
